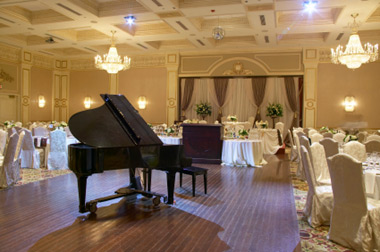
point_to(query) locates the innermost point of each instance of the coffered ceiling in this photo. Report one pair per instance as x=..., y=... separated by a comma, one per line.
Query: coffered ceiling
x=82, y=28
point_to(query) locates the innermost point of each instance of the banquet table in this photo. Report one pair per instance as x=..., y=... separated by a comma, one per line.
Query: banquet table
x=171, y=139
x=372, y=183
x=236, y=152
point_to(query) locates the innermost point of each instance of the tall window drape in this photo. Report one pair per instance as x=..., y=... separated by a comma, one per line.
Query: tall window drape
x=291, y=93
x=187, y=94
x=258, y=88
x=220, y=85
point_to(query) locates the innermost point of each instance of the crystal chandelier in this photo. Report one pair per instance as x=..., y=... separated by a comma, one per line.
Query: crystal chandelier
x=354, y=55
x=218, y=33
x=112, y=62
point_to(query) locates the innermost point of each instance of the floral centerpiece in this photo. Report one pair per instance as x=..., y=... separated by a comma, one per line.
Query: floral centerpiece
x=169, y=131
x=232, y=118
x=150, y=125
x=62, y=124
x=9, y=124
x=349, y=138
x=262, y=124
x=243, y=133
x=203, y=109
x=274, y=110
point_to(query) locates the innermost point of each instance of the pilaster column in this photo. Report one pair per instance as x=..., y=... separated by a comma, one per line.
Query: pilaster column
x=172, y=63
x=26, y=66
x=114, y=83
x=60, y=91
x=310, y=60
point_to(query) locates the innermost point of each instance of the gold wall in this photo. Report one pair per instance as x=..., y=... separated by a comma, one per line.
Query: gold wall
x=41, y=84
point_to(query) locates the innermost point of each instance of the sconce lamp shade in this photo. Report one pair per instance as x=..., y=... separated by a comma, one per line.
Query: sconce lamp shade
x=41, y=101
x=142, y=102
x=87, y=102
x=349, y=103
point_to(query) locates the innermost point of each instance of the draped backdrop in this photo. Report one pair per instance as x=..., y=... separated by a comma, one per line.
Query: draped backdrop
x=243, y=97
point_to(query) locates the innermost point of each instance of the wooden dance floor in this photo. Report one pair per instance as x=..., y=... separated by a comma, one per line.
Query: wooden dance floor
x=246, y=209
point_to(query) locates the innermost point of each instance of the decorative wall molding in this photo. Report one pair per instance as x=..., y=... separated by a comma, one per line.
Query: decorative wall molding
x=10, y=53
x=43, y=61
x=82, y=64
x=238, y=70
x=324, y=56
x=148, y=61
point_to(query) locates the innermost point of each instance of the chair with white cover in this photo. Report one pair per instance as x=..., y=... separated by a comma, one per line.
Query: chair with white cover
x=11, y=131
x=3, y=141
x=30, y=157
x=339, y=137
x=319, y=161
x=251, y=120
x=356, y=150
x=68, y=132
x=331, y=146
x=306, y=131
x=300, y=170
x=254, y=134
x=319, y=201
x=362, y=136
x=312, y=132
x=40, y=131
x=373, y=137
x=293, y=150
x=355, y=219
x=372, y=146
x=327, y=135
x=57, y=151
x=316, y=137
x=280, y=127
x=10, y=165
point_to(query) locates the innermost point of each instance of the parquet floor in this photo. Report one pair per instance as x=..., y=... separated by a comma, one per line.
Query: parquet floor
x=246, y=209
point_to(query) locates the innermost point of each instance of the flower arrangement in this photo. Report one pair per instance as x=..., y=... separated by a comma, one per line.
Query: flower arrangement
x=232, y=118
x=274, y=110
x=262, y=124
x=9, y=124
x=203, y=109
x=63, y=124
x=243, y=133
x=169, y=131
x=349, y=138
x=150, y=125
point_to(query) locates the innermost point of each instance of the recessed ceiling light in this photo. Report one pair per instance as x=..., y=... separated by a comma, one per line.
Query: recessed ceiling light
x=310, y=5
x=130, y=20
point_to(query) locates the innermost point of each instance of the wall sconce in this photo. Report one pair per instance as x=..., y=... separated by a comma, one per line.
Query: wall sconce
x=87, y=102
x=142, y=102
x=41, y=101
x=349, y=103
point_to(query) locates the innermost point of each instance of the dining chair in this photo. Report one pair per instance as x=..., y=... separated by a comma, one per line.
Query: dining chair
x=319, y=161
x=362, y=136
x=372, y=146
x=319, y=200
x=300, y=170
x=373, y=137
x=40, y=131
x=356, y=150
x=312, y=132
x=293, y=150
x=339, y=137
x=57, y=151
x=316, y=137
x=355, y=219
x=280, y=127
x=3, y=141
x=10, y=165
x=330, y=145
x=30, y=156
x=306, y=131
x=327, y=135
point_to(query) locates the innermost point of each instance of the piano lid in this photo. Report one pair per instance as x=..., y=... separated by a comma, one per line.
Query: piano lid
x=114, y=124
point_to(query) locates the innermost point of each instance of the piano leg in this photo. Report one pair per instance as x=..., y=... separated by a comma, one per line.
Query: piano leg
x=170, y=178
x=82, y=184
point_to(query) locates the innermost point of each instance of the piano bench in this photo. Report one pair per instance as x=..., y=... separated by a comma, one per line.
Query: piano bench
x=194, y=171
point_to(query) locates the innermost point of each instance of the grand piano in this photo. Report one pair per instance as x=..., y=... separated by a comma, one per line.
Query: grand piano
x=114, y=136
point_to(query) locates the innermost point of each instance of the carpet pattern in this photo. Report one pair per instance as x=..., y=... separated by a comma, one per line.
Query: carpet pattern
x=312, y=239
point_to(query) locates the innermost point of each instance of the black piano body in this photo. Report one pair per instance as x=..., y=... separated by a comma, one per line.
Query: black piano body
x=114, y=136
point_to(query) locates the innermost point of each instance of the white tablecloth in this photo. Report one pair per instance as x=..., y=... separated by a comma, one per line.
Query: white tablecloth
x=171, y=140
x=243, y=153
x=372, y=183
x=270, y=140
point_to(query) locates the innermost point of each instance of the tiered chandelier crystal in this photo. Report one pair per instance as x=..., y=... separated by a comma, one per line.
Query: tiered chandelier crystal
x=112, y=62
x=354, y=55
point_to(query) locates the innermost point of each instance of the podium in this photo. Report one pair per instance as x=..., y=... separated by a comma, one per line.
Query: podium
x=203, y=142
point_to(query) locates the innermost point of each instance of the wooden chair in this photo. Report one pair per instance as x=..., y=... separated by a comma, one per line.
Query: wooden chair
x=194, y=171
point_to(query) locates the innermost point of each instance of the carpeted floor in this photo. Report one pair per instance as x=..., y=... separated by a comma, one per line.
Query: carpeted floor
x=312, y=239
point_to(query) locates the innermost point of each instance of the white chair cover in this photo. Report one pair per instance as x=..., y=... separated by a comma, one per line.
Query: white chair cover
x=312, y=132
x=68, y=132
x=254, y=134
x=30, y=157
x=3, y=141
x=370, y=146
x=7, y=166
x=319, y=199
x=327, y=135
x=57, y=151
x=321, y=170
x=270, y=140
x=356, y=150
x=331, y=146
x=40, y=131
x=17, y=159
x=280, y=127
x=300, y=170
x=339, y=137
x=316, y=137
x=362, y=136
x=373, y=137
x=355, y=221
x=251, y=120
x=293, y=150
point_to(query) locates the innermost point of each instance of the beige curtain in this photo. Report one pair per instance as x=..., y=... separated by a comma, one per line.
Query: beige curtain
x=258, y=87
x=292, y=98
x=187, y=94
x=220, y=85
